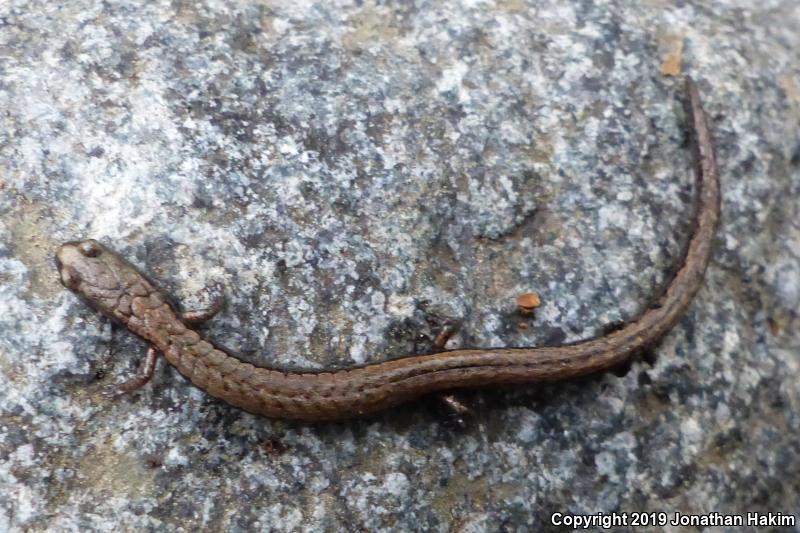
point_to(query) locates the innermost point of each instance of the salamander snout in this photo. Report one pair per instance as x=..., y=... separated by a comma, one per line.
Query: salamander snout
x=83, y=261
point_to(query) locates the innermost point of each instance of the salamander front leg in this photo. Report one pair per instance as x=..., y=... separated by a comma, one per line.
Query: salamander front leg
x=144, y=375
x=196, y=317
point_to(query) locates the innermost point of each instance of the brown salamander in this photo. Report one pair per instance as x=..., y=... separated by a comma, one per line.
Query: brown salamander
x=116, y=288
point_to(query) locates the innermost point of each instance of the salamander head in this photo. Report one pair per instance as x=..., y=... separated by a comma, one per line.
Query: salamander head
x=100, y=276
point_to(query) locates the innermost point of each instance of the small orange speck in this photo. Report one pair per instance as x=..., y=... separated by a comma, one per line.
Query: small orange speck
x=671, y=64
x=528, y=302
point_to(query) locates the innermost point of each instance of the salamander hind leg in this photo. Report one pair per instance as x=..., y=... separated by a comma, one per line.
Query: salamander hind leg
x=451, y=403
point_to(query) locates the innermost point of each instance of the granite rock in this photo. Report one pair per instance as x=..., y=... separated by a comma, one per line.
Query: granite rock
x=356, y=175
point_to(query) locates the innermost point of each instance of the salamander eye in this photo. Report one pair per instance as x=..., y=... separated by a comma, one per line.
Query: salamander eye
x=90, y=248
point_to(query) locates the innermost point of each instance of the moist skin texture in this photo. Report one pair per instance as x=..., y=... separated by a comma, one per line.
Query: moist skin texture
x=115, y=288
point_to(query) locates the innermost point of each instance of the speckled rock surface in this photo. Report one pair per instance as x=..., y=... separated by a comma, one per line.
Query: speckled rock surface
x=356, y=175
